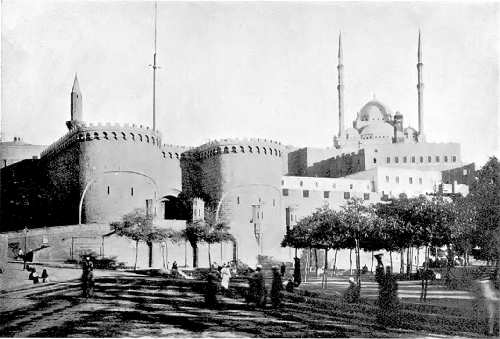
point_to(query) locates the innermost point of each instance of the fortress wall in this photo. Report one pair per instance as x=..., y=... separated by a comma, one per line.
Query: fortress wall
x=62, y=180
x=125, y=166
x=339, y=166
x=239, y=173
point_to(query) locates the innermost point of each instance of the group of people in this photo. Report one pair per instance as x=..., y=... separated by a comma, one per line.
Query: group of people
x=218, y=275
x=257, y=292
x=218, y=280
x=35, y=277
x=87, y=277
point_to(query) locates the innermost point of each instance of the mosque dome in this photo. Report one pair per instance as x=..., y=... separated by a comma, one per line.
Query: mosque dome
x=375, y=110
x=377, y=130
x=410, y=133
x=352, y=134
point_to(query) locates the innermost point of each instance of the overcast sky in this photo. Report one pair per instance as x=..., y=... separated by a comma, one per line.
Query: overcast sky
x=251, y=69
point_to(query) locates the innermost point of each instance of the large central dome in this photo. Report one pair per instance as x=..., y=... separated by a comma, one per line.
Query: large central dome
x=375, y=110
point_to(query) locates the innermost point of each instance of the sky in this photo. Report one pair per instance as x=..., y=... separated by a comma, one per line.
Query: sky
x=251, y=69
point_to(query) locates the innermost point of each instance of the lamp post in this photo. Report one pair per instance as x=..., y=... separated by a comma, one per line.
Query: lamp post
x=234, y=188
x=25, y=245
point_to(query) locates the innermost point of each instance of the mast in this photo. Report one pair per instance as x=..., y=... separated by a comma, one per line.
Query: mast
x=155, y=66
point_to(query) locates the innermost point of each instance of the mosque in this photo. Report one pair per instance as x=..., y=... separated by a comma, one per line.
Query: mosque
x=61, y=198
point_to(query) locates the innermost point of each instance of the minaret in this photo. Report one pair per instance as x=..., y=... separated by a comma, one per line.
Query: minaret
x=340, y=87
x=420, y=90
x=76, y=104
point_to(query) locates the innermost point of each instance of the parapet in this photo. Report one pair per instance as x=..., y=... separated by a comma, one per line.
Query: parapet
x=255, y=146
x=123, y=133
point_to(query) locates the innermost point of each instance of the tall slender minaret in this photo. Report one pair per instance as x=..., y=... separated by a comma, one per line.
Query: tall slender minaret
x=420, y=90
x=155, y=66
x=340, y=87
x=76, y=105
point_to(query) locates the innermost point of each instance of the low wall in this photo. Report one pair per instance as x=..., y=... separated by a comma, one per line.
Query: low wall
x=61, y=243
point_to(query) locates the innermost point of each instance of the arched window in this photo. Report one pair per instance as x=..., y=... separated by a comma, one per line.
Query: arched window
x=233, y=149
x=257, y=149
x=88, y=137
x=275, y=151
x=114, y=135
x=163, y=153
x=153, y=140
x=264, y=150
x=140, y=137
x=242, y=149
x=132, y=136
x=170, y=155
x=105, y=135
x=226, y=149
x=124, y=137
x=250, y=149
x=177, y=155
x=96, y=135
x=147, y=138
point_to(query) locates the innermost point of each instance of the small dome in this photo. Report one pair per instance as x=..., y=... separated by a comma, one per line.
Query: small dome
x=409, y=131
x=351, y=134
x=373, y=111
x=377, y=129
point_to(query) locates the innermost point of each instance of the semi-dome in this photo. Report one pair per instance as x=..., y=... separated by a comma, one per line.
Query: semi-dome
x=375, y=110
x=377, y=129
x=352, y=134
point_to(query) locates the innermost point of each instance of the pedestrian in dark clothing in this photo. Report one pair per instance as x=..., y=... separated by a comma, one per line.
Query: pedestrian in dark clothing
x=296, y=272
x=289, y=286
x=174, y=265
x=276, y=288
x=259, y=287
x=388, y=303
x=45, y=275
x=87, y=277
x=283, y=269
x=211, y=289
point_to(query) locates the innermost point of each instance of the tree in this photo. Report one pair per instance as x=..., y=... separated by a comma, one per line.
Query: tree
x=356, y=219
x=484, y=197
x=327, y=233
x=321, y=230
x=210, y=231
x=136, y=226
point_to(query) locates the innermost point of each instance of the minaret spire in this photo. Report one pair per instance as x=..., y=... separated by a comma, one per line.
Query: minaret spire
x=340, y=86
x=155, y=66
x=420, y=90
x=76, y=105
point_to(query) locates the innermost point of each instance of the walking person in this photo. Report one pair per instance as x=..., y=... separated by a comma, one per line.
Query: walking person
x=260, y=287
x=283, y=269
x=45, y=275
x=211, y=289
x=225, y=276
x=276, y=288
x=87, y=277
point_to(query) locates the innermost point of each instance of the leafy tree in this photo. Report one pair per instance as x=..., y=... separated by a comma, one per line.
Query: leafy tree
x=484, y=196
x=356, y=220
x=138, y=226
x=210, y=231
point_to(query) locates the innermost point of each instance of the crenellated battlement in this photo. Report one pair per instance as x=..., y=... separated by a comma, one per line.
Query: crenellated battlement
x=113, y=132
x=250, y=146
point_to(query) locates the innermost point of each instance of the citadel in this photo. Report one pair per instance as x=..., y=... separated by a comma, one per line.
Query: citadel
x=62, y=198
